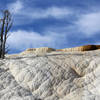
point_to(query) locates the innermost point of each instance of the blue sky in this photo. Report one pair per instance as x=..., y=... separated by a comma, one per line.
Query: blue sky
x=53, y=23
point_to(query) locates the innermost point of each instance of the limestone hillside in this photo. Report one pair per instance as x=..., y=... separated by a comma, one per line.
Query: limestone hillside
x=49, y=74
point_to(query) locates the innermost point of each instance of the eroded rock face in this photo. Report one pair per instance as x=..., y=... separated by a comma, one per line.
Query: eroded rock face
x=38, y=51
x=43, y=50
x=81, y=48
x=52, y=76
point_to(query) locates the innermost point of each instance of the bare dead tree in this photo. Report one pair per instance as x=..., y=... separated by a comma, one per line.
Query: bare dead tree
x=5, y=26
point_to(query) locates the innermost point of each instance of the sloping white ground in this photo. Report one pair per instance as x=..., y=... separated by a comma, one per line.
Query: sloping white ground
x=9, y=88
x=51, y=76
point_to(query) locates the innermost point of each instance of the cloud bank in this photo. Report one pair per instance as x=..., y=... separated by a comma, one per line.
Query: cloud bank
x=15, y=7
x=19, y=8
x=89, y=23
x=86, y=23
x=21, y=40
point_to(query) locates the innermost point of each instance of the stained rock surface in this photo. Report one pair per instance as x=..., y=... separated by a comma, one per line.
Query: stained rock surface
x=81, y=48
x=51, y=76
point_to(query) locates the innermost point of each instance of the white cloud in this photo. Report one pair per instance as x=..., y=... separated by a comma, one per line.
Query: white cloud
x=89, y=23
x=15, y=7
x=22, y=12
x=20, y=8
x=21, y=40
x=55, y=12
x=51, y=12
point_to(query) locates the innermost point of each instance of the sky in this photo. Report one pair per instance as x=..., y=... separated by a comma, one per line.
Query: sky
x=52, y=23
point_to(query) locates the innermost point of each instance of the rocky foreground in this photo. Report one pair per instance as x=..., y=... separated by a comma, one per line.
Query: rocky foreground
x=55, y=75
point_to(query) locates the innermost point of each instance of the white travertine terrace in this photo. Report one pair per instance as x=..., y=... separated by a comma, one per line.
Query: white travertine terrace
x=51, y=76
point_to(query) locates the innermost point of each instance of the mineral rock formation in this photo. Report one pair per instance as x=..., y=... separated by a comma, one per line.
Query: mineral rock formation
x=44, y=50
x=52, y=76
x=41, y=50
x=9, y=88
x=82, y=48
